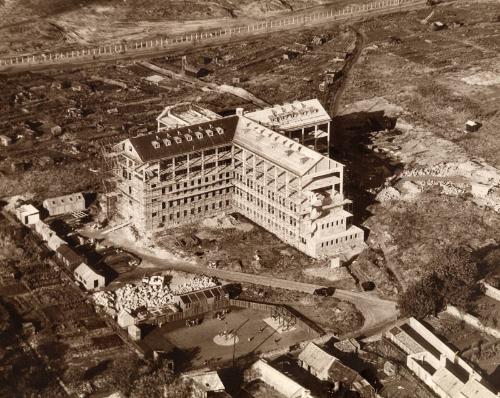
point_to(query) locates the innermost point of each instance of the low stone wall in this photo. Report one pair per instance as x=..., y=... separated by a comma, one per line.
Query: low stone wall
x=472, y=321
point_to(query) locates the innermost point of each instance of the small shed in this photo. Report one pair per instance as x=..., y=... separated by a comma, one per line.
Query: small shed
x=69, y=257
x=199, y=298
x=28, y=214
x=316, y=361
x=65, y=204
x=472, y=126
x=89, y=277
x=50, y=128
x=5, y=140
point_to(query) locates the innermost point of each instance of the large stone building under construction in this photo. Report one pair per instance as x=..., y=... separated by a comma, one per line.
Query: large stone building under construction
x=200, y=164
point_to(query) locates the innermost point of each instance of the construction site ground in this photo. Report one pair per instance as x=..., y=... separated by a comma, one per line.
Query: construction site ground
x=338, y=314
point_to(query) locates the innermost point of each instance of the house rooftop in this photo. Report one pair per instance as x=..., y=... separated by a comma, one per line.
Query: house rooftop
x=316, y=358
x=63, y=200
x=27, y=209
x=69, y=254
x=208, y=381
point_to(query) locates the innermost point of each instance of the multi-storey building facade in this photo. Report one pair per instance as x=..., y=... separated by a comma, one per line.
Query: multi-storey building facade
x=234, y=164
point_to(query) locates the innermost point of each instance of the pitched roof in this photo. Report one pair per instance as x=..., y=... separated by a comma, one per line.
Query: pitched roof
x=27, y=209
x=275, y=147
x=64, y=200
x=474, y=389
x=69, y=254
x=316, y=358
x=208, y=381
x=291, y=116
x=86, y=271
x=186, y=139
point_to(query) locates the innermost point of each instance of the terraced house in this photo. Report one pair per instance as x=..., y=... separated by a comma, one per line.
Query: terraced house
x=214, y=164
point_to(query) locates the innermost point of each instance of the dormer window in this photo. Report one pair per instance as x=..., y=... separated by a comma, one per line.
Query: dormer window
x=178, y=140
x=188, y=137
x=210, y=133
x=199, y=135
x=167, y=142
x=219, y=130
x=155, y=144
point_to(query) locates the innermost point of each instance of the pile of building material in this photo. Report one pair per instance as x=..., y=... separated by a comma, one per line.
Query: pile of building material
x=152, y=293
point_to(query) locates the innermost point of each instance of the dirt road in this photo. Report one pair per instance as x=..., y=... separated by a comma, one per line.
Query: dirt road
x=378, y=313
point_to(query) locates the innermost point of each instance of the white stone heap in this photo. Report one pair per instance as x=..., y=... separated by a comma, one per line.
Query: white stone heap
x=152, y=293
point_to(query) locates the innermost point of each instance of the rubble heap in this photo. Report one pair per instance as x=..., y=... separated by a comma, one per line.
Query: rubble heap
x=151, y=293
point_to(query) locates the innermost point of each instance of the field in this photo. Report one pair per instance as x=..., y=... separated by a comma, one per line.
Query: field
x=38, y=25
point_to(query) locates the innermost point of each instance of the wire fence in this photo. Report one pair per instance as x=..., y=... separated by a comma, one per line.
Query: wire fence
x=213, y=35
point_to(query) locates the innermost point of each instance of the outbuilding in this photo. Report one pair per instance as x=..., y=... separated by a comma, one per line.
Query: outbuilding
x=89, y=277
x=65, y=204
x=316, y=361
x=28, y=214
x=5, y=140
x=472, y=126
x=206, y=384
x=69, y=257
x=200, y=298
x=50, y=128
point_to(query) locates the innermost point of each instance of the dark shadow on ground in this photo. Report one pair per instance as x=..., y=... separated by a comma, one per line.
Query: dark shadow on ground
x=364, y=168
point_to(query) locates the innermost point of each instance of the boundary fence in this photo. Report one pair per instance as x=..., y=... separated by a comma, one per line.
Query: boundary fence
x=301, y=322
x=213, y=35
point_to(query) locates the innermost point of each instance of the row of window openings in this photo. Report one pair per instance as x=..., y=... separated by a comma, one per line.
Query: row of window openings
x=270, y=209
x=192, y=211
x=258, y=215
x=193, y=182
x=270, y=195
x=195, y=198
x=327, y=225
x=339, y=240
